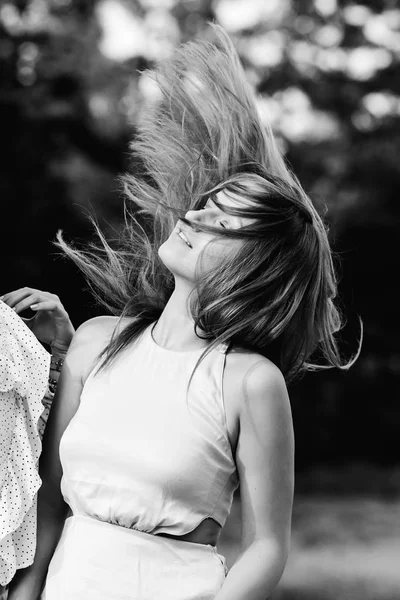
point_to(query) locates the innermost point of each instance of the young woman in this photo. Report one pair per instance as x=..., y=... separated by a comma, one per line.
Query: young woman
x=221, y=294
x=26, y=393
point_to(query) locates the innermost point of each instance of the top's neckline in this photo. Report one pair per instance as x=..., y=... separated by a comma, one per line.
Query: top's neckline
x=177, y=352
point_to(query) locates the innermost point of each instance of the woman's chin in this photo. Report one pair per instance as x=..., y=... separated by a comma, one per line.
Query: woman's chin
x=174, y=259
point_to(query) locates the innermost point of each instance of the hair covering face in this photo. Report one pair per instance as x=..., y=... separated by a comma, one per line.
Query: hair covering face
x=24, y=371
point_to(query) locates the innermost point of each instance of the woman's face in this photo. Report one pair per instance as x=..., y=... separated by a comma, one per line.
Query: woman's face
x=181, y=251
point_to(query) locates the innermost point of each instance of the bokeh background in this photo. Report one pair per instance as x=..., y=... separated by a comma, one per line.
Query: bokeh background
x=327, y=77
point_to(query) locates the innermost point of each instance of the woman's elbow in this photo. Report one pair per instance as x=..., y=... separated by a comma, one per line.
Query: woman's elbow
x=274, y=554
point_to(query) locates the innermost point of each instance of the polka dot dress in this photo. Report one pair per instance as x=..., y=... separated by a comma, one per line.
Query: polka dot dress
x=24, y=371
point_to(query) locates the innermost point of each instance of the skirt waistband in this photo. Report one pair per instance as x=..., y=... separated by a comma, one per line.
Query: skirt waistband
x=96, y=560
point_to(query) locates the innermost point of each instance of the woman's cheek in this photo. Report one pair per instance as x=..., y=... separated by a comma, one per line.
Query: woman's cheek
x=216, y=252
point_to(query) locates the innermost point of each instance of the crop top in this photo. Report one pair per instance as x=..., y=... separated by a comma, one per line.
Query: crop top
x=144, y=452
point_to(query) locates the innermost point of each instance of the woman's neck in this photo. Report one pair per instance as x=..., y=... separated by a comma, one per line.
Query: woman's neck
x=174, y=329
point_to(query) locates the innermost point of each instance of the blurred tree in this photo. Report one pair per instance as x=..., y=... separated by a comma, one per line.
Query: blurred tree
x=327, y=77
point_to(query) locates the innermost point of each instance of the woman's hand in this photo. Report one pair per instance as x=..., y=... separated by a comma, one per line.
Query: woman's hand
x=51, y=323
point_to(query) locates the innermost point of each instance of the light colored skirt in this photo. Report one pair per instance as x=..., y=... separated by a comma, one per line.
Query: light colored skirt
x=100, y=561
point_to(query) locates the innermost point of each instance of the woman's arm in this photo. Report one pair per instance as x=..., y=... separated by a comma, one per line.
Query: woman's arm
x=265, y=459
x=28, y=583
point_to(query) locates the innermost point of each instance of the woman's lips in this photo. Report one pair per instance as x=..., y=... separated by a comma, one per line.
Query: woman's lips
x=183, y=236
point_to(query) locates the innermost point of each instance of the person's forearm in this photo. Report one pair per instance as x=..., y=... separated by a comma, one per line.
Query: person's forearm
x=255, y=574
x=28, y=583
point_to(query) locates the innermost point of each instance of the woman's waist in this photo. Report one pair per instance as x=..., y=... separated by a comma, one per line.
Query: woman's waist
x=113, y=533
x=198, y=529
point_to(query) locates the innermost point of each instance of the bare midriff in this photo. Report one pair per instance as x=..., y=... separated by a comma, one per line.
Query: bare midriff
x=206, y=533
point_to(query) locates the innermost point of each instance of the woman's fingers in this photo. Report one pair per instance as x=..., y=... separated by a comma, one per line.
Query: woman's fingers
x=26, y=303
x=53, y=305
x=50, y=323
x=24, y=298
x=13, y=298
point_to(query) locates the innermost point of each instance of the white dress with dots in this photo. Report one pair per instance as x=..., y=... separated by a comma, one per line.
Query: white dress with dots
x=24, y=371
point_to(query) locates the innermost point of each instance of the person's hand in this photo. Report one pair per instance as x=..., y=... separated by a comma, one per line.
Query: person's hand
x=51, y=323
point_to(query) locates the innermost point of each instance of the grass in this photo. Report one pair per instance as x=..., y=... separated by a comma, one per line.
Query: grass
x=343, y=548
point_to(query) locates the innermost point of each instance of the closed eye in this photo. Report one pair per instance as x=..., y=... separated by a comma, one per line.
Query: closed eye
x=211, y=204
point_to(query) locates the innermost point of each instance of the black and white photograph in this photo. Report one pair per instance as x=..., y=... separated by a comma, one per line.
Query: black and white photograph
x=199, y=332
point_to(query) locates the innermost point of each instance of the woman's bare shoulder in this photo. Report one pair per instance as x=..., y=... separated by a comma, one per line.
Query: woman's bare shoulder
x=252, y=375
x=100, y=329
x=258, y=389
x=97, y=326
x=90, y=339
x=243, y=364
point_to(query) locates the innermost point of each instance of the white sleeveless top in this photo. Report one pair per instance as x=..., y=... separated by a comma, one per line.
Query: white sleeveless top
x=142, y=453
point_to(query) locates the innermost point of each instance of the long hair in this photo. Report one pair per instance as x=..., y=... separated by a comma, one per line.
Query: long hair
x=275, y=295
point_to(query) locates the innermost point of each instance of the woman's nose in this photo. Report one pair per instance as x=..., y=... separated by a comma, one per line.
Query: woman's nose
x=194, y=215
